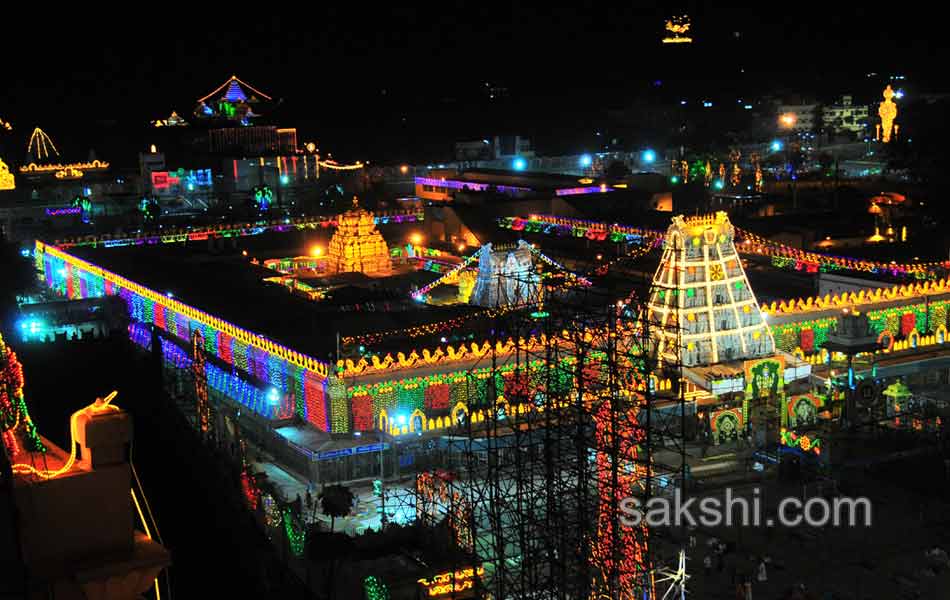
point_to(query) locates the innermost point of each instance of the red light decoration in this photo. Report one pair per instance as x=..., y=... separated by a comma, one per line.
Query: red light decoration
x=437, y=396
x=908, y=322
x=808, y=340
x=620, y=552
x=363, y=413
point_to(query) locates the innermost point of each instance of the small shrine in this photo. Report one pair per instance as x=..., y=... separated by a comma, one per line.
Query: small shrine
x=506, y=277
x=357, y=246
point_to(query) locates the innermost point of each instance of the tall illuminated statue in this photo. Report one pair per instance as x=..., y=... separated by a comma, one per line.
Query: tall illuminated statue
x=887, y=110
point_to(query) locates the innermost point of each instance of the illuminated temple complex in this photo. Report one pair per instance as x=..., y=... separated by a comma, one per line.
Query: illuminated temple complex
x=357, y=246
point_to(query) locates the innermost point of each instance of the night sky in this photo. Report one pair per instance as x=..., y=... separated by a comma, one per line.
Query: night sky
x=400, y=83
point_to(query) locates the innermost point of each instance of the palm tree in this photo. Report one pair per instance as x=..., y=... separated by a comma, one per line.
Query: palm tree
x=336, y=501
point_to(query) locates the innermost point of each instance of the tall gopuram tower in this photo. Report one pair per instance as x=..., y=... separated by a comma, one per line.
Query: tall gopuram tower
x=702, y=310
x=357, y=246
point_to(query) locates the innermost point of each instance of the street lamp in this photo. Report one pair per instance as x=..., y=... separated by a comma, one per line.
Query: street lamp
x=788, y=121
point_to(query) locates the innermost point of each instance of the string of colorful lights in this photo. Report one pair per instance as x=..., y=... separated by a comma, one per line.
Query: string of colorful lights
x=421, y=293
x=782, y=254
x=227, y=231
x=288, y=372
x=453, y=324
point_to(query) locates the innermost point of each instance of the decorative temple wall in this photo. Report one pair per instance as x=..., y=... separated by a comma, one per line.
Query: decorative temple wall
x=292, y=373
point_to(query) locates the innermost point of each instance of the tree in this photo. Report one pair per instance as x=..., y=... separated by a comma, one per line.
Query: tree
x=336, y=501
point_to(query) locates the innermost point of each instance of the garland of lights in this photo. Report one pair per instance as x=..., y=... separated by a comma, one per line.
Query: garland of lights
x=282, y=367
x=227, y=231
x=751, y=244
x=296, y=533
x=423, y=330
x=15, y=421
x=375, y=589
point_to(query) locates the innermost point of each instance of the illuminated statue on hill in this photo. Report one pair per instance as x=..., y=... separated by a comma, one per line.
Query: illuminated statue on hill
x=887, y=110
x=357, y=246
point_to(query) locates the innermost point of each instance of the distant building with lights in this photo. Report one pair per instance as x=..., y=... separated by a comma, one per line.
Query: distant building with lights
x=499, y=147
x=805, y=116
x=845, y=116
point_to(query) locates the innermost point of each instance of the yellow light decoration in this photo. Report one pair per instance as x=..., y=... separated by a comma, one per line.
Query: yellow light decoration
x=5, y=125
x=887, y=110
x=69, y=173
x=678, y=28
x=99, y=406
x=42, y=143
x=95, y=165
x=848, y=300
x=6, y=177
x=330, y=164
x=357, y=246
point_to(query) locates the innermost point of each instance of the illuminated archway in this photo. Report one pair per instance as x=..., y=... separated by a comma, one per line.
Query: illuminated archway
x=886, y=339
x=458, y=412
x=913, y=338
x=419, y=417
x=941, y=334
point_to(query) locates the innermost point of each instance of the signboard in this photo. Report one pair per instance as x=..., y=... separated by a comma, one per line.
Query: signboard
x=328, y=454
x=452, y=583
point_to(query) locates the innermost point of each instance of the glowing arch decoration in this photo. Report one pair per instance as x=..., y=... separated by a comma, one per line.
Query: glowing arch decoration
x=6, y=177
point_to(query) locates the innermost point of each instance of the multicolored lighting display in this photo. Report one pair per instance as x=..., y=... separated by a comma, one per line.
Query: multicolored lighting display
x=227, y=231
x=291, y=373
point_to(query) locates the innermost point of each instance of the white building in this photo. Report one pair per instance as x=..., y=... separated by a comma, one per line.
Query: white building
x=845, y=116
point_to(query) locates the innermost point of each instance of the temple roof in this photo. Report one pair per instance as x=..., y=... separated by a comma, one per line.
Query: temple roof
x=236, y=90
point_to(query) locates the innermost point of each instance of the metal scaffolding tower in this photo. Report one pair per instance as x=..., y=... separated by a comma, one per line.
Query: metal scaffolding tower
x=577, y=417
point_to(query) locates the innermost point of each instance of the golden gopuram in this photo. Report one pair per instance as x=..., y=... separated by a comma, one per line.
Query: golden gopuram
x=357, y=246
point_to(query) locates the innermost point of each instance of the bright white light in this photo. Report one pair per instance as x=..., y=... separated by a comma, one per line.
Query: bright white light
x=586, y=160
x=402, y=419
x=776, y=146
x=648, y=156
x=899, y=94
x=273, y=396
x=519, y=164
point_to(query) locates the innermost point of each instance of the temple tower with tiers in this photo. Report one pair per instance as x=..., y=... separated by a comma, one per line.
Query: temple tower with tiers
x=506, y=277
x=357, y=246
x=702, y=310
